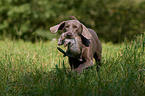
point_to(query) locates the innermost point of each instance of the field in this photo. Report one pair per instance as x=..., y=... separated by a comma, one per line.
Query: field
x=39, y=69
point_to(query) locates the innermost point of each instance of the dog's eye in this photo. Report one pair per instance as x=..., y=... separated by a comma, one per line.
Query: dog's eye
x=67, y=26
x=75, y=27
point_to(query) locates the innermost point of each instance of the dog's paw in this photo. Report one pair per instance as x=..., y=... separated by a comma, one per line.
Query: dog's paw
x=79, y=69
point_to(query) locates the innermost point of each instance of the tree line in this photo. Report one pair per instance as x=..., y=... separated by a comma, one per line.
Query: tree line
x=30, y=20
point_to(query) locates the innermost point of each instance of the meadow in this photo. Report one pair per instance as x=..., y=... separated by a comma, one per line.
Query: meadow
x=39, y=69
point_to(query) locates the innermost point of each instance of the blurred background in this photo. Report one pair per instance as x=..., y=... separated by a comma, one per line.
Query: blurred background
x=30, y=20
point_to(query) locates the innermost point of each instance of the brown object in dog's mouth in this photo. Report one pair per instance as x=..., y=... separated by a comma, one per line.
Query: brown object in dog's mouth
x=68, y=42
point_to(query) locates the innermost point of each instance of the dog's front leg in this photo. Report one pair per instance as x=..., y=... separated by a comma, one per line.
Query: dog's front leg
x=88, y=60
x=82, y=66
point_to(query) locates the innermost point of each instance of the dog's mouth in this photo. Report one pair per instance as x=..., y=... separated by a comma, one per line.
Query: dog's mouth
x=66, y=42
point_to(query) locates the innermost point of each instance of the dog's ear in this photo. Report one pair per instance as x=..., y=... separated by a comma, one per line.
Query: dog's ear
x=85, y=41
x=55, y=28
x=85, y=36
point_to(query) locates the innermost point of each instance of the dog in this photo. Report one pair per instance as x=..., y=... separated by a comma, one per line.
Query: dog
x=83, y=44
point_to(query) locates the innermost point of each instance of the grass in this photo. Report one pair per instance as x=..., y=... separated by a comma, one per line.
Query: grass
x=40, y=70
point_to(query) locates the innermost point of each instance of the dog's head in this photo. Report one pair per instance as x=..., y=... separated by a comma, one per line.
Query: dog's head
x=71, y=29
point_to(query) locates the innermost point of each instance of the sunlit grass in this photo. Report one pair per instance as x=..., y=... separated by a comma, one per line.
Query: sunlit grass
x=40, y=69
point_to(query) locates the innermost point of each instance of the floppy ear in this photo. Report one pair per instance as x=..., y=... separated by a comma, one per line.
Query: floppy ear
x=86, y=33
x=85, y=41
x=85, y=36
x=55, y=28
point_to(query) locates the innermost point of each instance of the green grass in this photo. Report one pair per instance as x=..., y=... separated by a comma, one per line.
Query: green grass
x=40, y=70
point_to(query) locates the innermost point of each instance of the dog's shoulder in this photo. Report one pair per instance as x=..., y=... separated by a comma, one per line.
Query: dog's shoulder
x=92, y=32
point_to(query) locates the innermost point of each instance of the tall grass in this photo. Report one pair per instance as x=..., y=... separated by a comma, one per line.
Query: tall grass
x=40, y=70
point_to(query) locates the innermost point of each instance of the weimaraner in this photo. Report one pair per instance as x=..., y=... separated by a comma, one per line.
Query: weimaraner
x=83, y=44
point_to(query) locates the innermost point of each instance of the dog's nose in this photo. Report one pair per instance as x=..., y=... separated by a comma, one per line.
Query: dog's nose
x=69, y=34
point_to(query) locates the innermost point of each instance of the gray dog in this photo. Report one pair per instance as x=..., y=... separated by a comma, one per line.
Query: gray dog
x=83, y=44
